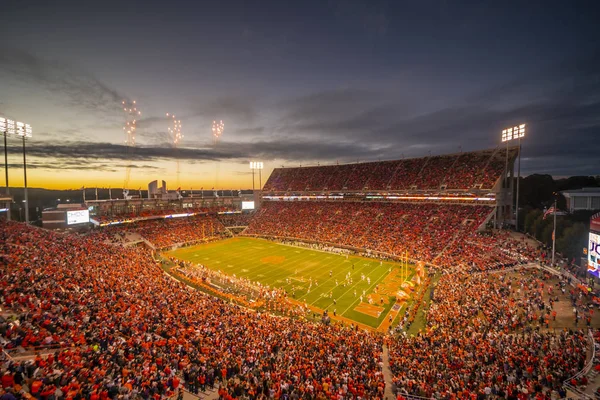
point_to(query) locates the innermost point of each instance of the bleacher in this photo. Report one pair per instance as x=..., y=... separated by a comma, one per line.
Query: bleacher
x=427, y=231
x=478, y=170
x=162, y=233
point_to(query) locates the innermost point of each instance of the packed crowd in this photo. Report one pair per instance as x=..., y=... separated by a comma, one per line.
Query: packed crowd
x=488, y=250
x=123, y=329
x=442, y=235
x=163, y=233
x=235, y=219
x=480, y=169
x=483, y=339
x=148, y=213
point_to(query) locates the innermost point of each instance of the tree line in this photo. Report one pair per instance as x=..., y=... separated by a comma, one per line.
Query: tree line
x=572, y=230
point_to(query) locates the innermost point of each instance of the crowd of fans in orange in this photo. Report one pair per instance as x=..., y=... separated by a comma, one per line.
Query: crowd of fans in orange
x=480, y=169
x=482, y=340
x=167, y=232
x=121, y=328
x=235, y=219
x=442, y=235
x=145, y=213
x=488, y=250
x=124, y=329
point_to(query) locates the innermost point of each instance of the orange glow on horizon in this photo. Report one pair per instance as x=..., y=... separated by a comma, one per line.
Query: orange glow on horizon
x=207, y=176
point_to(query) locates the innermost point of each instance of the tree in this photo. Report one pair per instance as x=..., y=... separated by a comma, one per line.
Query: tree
x=536, y=190
x=576, y=182
x=530, y=218
x=546, y=234
x=573, y=240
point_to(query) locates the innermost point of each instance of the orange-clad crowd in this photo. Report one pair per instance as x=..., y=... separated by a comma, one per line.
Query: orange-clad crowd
x=167, y=232
x=123, y=329
x=444, y=235
x=480, y=169
x=485, y=339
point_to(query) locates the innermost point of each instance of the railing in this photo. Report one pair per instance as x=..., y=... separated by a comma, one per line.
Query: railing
x=564, y=273
x=588, y=366
x=414, y=397
x=29, y=351
x=6, y=356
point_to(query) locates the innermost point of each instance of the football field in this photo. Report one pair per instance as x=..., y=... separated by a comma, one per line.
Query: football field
x=359, y=289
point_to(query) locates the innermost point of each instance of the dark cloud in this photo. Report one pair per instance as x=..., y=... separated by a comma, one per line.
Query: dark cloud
x=251, y=130
x=239, y=109
x=76, y=87
x=145, y=122
x=560, y=104
x=303, y=82
x=80, y=165
x=327, y=104
x=297, y=151
x=152, y=137
x=238, y=112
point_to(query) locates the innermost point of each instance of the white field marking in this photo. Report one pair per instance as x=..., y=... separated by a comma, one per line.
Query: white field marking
x=352, y=275
x=370, y=289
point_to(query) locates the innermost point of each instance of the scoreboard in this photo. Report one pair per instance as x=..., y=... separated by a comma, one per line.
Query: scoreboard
x=593, y=250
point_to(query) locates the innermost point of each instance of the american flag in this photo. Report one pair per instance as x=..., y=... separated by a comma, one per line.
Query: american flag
x=549, y=211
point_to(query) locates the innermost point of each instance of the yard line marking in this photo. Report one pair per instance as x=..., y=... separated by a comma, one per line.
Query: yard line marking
x=358, y=299
x=244, y=259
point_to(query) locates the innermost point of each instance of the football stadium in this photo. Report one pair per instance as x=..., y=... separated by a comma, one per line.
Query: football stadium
x=387, y=279
x=299, y=200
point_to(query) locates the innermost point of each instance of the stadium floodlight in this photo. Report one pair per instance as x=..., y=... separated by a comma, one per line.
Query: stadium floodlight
x=516, y=132
x=24, y=131
x=257, y=165
x=508, y=134
x=4, y=130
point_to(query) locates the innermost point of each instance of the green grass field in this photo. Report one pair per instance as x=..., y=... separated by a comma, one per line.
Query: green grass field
x=292, y=268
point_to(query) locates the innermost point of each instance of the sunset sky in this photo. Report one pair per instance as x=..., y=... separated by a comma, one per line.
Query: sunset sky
x=296, y=83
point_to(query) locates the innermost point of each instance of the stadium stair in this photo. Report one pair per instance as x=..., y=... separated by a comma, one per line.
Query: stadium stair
x=496, y=150
x=423, y=167
x=449, y=173
x=450, y=243
x=387, y=373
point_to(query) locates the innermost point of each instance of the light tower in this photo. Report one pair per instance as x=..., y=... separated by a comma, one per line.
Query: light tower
x=174, y=130
x=4, y=130
x=508, y=134
x=257, y=165
x=131, y=115
x=24, y=131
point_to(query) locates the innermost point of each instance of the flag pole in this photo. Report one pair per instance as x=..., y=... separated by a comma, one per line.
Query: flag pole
x=405, y=266
x=554, y=233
